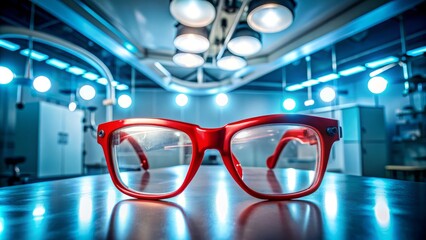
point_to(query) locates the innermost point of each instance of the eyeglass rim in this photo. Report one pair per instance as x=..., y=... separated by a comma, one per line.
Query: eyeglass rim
x=318, y=124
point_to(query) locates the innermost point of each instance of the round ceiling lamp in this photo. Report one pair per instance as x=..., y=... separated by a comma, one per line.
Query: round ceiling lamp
x=270, y=16
x=193, y=13
x=327, y=94
x=181, y=100
x=6, y=75
x=87, y=92
x=42, y=84
x=289, y=104
x=124, y=101
x=245, y=41
x=231, y=62
x=377, y=85
x=192, y=40
x=188, y=60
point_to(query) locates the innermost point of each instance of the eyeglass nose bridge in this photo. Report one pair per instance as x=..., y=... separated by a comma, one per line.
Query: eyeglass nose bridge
x=210, y=138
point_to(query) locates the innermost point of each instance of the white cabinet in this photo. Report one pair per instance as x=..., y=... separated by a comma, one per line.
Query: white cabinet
x=51, y=139
x=363, y=149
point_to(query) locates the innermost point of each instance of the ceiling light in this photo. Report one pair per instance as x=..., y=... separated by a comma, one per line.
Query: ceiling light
x=87, y=92
x=327, y=94
x=309, y=83
x=289, y=104
x=309, y=102
x=42, y=84
x=6, y=75
x=351, y=71
x=221, y=99
x=75, y=70
x=122, y=87
x=193, y=13
x=192, y=40
x=9, y=45
x=328, y=77
x=124, y=101
x=72, y=106
x=34, y=55
x=231, y=62
x=57, y=63
x=270, y=16
x=382, y=62
x=294, y=87
x=90, y=76
x=189, y=60
x=181, y=100
x=102, y=81
x=417, y=51
x=245, y=41
x=377, y=85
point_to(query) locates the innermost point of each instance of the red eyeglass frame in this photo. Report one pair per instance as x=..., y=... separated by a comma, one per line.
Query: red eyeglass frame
x=220, y=139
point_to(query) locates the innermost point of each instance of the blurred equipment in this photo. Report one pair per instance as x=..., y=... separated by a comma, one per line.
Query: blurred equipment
x=16, y=177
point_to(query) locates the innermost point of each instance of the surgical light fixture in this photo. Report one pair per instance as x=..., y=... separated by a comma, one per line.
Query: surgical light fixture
x=192, y=40
x=270, y=16
x=377, y=85
x=124, y=101
x=245, y=42
x=289, y=104
x=38, y=56
x=57, y=63
x=231, y=62
x=181, y=100
x=6, y=75
x=327, y=94
x=87, y=92
x=42, y=84
x=221, y=99
x=351, y=71
x=193, y=13
x=9, y=45
x=188, y=60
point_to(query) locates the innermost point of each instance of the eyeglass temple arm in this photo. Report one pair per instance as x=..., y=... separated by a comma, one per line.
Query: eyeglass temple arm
x=138, y=149
x=300, y=134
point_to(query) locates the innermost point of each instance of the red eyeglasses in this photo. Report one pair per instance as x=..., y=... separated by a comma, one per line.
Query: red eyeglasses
x=273, y=157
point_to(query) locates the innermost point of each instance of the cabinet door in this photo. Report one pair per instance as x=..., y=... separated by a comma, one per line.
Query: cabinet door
x=50, y=152
x=372, y=124
x=72, y=148
x=374, y=157
x=352, y=163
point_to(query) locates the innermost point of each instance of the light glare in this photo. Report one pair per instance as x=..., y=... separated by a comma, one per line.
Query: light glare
x=72, y=106
x=377, y=85
x=181, y=100
x=87, y=92
x=42, y=84
x=6, y=75
x=124, y=101
x=327, y=94
x=289, y=104
x=221, y=99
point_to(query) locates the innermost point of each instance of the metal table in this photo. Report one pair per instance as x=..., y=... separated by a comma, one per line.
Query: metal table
x=214, y=207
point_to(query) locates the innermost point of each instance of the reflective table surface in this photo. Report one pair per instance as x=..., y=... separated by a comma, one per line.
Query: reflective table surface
x=214, y=207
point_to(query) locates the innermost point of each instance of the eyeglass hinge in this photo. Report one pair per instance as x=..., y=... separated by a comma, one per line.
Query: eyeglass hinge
x=331, y=131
